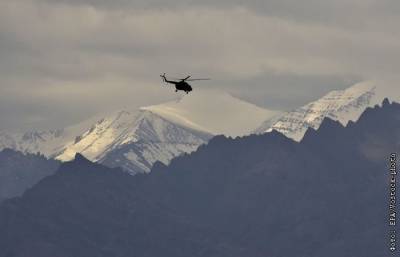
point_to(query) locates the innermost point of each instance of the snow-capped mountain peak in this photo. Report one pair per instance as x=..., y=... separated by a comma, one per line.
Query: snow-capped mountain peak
x=133, y=140
x=341, y=105
x=213, y=111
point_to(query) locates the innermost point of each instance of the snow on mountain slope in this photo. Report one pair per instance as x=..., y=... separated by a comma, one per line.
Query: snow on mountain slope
x=49, y=143
x=134, y=140
x=155, y=143
x=215, y=112
x=340, y=105
x=7, y=140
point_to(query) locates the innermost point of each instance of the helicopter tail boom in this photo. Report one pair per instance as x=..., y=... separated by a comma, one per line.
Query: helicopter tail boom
x=166, y=80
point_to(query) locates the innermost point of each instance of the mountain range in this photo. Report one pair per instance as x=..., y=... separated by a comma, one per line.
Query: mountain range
x=340, y=105
x=135, y=139
x=256, y=195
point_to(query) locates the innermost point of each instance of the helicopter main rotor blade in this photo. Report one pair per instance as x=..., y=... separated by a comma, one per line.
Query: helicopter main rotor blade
x=196, y=79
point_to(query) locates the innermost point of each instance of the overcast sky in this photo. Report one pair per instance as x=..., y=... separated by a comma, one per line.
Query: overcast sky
x=64, y=60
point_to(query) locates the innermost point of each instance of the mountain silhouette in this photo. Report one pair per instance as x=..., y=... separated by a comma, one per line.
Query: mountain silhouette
x=259, y=195
x=19, y=171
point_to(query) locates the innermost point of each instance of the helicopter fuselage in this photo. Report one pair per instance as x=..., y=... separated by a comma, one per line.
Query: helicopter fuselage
x=184, y=86
x=180, y=85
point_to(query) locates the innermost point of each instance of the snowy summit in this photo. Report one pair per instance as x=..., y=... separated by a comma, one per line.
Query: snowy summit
x=214, y=112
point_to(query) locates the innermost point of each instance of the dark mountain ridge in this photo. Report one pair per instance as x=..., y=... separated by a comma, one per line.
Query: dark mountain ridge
x=260, y=195
x=19, y=171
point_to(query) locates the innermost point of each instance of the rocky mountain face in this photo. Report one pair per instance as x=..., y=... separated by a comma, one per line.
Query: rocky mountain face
x=134, y=141
x=19, y=172
x=340, y=105
x=258, y=195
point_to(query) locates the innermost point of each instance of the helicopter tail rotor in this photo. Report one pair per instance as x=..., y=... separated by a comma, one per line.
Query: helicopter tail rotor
x=163, y=77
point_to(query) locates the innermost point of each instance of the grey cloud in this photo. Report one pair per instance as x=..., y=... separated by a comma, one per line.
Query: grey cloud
x=19, y=114
x=289, y=91
x=104, y=54
x=335, y=11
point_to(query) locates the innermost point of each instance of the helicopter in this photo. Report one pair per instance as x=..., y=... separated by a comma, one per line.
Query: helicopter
x=181, y=84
